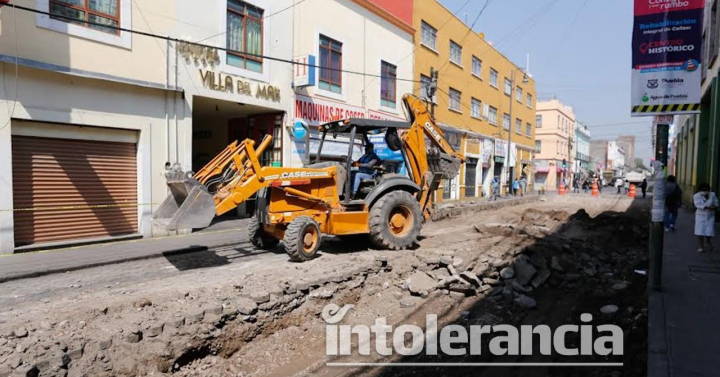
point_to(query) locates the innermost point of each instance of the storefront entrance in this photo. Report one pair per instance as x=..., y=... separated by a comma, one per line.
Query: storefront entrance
x=217, y=123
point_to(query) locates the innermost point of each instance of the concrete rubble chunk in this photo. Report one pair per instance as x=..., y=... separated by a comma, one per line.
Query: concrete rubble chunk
x=24, y=370
x=526, y=302
x=420, y=281
x=446, y=260
x=524, y=270
x=154, y=330
x=491, y=281
x=507, y=273
x=105, y=344
x=60, y=361
x=133, y=337
x=195, y=316
x=540, y=278
x=142, y=303
x=470, y=277
x=609, y=309
x=246, y=306
x=408, y=302
x=519, y=288
x=480, y=270
x=555, y=264
x=174, y=323
x=75, y=353
x=214, y=310
x=260, y=297
x=20, y=332
x=324, y=292
x=619, y=286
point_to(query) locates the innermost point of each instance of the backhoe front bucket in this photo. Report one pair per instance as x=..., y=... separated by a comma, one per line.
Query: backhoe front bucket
x=188, y=206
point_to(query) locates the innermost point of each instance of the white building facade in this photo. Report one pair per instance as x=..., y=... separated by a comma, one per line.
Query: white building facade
x=369, y=41
x=91, y=116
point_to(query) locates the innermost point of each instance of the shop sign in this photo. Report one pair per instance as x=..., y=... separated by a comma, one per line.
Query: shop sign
x=305, y=71
x=499, y=160
x=382, y=150
x=472, y=146
x=500, y=148
x=315, y=111
x=198, y=54
x=226, y=83
x=487, y=151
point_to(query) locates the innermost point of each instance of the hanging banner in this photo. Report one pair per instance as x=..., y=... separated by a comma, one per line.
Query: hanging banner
x=666, y=57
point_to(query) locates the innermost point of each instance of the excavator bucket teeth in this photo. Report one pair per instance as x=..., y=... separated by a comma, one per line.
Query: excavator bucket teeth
x=445, y=164
x=188, y=206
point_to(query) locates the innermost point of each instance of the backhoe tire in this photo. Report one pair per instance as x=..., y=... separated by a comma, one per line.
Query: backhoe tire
x=302, y=238
x=395, y=221
x=258, y=237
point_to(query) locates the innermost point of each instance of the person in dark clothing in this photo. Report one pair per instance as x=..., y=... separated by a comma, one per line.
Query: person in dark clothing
x=643, y=187
x=673, y=200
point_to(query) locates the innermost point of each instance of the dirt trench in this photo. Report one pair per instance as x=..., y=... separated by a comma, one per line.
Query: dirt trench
x=268, y=322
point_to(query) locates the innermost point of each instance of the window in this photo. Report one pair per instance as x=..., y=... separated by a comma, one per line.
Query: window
x=528, y=129
x=454, y=99
x=475, y=108
x=528, y=100
x=506, y=121
x=105, y=12
x=508, y=87
x=492, y=115
x=518, y=94
x=425, y=83
x=330, y=64
x=518, y=126
x=538, y=121
x=388, y=83
x=455, y=53
x=476, y=67
x=538, y=145
x=493, y=77
x=244, y=35
x=428, y=35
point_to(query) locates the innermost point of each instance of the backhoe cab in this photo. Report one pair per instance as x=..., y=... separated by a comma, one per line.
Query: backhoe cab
x=299, y=205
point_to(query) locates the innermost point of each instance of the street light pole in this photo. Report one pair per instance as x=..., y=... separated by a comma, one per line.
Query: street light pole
x=510, y=126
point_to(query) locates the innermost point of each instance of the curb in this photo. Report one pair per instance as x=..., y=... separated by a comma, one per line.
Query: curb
x=34, y=274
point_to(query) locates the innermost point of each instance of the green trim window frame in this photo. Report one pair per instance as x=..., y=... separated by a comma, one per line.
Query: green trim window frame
x=455, y=53
x=493, y=78
x=477, y=67
x=106, y=12
x=388, y=84
x=244, y=37
x=475, y=106
x=330, y=65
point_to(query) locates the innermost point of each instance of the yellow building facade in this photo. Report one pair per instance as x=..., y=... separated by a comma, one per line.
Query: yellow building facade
x=481, y=96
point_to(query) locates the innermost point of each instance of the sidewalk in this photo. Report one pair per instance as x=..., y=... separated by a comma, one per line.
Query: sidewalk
x=32, y=264
x=684, y=319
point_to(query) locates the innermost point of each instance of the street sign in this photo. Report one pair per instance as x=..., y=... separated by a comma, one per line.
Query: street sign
x=304, y=71
x=666, y=57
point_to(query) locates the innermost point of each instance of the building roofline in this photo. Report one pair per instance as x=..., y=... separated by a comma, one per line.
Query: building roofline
x=529, y=76
x=387, y=16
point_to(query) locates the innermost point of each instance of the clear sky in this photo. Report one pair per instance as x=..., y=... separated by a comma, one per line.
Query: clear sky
x=579, y=52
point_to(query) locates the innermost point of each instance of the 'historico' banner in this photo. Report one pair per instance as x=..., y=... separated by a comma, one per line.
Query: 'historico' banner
x=666, y=57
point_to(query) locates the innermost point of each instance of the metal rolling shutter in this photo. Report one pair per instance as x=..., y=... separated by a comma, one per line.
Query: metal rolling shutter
x=50, y=172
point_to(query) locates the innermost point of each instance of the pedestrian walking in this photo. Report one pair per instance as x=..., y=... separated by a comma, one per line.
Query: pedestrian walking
x=523, y=185
x=673, y=200
x=496, y=187
x=706, y=202
x=627, y=186
x=585, y=186
x=576, y=186
x=618, y=184
x=515, y=187
x=643, y=187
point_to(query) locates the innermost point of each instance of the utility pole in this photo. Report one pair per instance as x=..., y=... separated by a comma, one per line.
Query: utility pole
x=510, y=128
x=431, y=89
x=657, y=235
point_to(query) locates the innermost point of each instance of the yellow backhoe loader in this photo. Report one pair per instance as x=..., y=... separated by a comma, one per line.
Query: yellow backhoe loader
x=299, y=205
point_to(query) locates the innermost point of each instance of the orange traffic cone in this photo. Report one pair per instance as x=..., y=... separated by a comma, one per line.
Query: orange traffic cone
x=595, y=191
x=561, y=189
x=631, y=192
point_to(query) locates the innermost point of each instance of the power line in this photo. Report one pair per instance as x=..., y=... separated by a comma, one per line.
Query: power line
x=452, y=15
x=264, y=18
x=176, y=40
x=487, y=2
